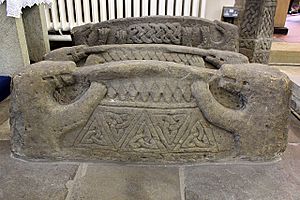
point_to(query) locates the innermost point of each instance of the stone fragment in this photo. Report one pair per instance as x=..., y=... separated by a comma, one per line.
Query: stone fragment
x=185, y=31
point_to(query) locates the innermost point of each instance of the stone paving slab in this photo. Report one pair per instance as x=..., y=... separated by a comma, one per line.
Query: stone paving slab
x=274, y=181
x=111, y=182
x=21, y=180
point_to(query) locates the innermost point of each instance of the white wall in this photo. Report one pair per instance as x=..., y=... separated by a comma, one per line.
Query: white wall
x=214, y=8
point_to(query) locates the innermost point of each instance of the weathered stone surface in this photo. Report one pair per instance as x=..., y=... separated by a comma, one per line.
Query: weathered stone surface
x=273, y=181
x=149, y=111
x=84, y=55
x=21, y=180
x=125, y=183
x=186, y=31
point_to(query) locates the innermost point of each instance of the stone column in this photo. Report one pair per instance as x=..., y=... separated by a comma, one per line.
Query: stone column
x=36, y=32
x=13, y=46
x=256, y=28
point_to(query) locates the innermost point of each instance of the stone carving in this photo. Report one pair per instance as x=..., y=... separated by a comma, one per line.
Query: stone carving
x=256, y=28
x=85, y=55
x=148, y=111
x=243, y=82
x=168, y=33
x=186, y=31
x=148, y=130
x=151, y=89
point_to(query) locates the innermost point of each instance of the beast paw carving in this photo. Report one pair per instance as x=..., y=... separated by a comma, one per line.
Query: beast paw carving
x=37, y=85
x=257, y=86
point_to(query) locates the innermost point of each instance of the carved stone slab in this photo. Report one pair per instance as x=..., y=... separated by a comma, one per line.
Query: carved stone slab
x=149, y=111
x=186, y=31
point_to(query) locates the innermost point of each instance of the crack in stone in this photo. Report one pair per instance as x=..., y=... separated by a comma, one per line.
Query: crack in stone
x=182, y=183
x=79, y=173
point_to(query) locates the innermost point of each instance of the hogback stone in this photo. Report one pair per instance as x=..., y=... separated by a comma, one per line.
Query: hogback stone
x=150, y=103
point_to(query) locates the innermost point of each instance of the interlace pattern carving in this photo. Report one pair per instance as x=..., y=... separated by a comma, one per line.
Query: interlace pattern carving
x=149, y=130
x=168, y=33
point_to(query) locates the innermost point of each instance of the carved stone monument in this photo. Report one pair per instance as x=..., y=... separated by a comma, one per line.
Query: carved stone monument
x=154, y=103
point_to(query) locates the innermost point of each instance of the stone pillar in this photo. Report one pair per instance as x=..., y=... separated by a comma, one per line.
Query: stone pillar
x=36, y=32
x=256, y=28
x=13, y=46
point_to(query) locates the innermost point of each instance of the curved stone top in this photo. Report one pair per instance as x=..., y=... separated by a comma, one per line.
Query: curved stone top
x=186, y=31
